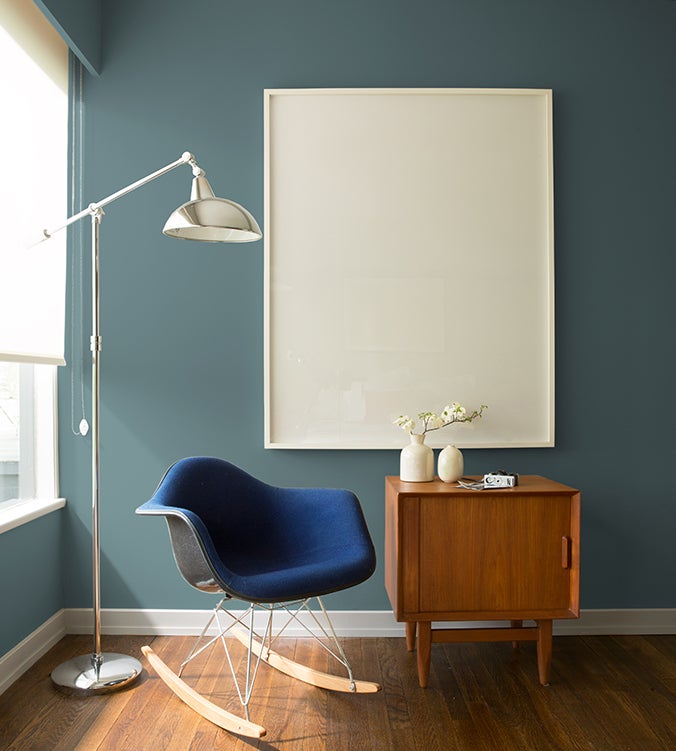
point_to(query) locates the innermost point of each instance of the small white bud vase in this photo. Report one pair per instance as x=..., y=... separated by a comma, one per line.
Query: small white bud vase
x=451, y=464
x=416, y=463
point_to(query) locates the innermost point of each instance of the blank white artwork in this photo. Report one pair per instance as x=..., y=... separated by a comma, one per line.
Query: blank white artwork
x=408, y=264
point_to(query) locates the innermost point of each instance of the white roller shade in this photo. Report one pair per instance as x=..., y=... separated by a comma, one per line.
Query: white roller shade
x=33, y=185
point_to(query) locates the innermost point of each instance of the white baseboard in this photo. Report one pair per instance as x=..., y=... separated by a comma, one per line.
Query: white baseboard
x=346, y=623
x=349, y=623
x=30, y=650
x=191, y=622
x=612, y=622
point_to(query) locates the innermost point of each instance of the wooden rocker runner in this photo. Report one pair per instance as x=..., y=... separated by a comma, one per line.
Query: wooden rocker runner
x=275, y=549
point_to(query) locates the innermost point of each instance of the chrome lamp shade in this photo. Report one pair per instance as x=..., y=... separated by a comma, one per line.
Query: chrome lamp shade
x=210, y=219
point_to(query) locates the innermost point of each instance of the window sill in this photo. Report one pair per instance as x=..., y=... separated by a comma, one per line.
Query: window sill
x=25, y=511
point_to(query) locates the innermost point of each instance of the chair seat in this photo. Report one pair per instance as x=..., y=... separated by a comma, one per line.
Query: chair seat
x=298, y=577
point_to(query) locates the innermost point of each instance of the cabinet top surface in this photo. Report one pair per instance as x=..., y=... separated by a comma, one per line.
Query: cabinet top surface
x=527, y=484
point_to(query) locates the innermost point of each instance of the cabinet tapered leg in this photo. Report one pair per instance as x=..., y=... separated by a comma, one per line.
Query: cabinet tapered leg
x=410, y=635
x=544, y=650
x=516, y=624
x=424, y=652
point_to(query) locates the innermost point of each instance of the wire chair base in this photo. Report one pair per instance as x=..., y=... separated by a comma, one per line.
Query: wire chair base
x=259, y=637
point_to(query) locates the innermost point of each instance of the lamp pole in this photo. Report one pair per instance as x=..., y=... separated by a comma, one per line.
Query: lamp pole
x=98, y=672
x=95, y=346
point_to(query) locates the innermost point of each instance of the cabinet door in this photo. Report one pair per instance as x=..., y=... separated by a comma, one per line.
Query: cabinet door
x=492, y=554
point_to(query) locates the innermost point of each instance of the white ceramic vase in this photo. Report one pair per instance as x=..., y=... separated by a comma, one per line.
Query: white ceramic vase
x=450, y=464
x=416, y=463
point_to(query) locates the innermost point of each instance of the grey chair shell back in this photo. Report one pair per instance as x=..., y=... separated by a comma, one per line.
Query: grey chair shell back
x=189, y=556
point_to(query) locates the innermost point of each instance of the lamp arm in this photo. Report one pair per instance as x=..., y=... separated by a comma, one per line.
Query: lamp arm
x=94, y=208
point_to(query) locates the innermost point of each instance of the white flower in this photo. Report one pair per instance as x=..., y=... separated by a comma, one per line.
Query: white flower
x=432, y=421
x=405, y=422
x=452, y=413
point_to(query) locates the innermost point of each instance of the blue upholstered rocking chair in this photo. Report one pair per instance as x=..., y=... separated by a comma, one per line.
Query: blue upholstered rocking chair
x=275, y=549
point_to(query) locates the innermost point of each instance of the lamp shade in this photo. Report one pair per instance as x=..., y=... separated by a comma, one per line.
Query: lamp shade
x=213, y=220
x=210, y=219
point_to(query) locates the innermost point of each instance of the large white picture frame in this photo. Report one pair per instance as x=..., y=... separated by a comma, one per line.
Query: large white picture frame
x=409, y=262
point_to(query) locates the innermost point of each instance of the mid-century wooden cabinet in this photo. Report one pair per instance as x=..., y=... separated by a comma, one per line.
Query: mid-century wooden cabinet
x=453, y=554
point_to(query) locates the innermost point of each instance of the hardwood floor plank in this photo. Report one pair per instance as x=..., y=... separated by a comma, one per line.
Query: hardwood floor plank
x=209, y=674
x=340, y=706
x=664, y=645
x=642, y=696
x=205, y=674
x=369, y=668
x=637, y=654
x=561, y=726
x=114, y=706
x=399, y=733
x=431, y=723
x=519, y=698
x=34, y=692
x=596, y=701
x=220, y=690
x=146, y=703
x=68, y=715
x=492, y=717
x=313, y=706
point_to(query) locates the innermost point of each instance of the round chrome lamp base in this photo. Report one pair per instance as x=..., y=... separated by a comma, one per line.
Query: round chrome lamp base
x=79, y=675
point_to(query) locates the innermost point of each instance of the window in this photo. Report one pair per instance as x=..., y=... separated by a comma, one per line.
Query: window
x=34, y=126
x=27, y=433
x=9, y=432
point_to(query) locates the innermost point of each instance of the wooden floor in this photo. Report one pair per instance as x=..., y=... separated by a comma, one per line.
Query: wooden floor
x=607, y=694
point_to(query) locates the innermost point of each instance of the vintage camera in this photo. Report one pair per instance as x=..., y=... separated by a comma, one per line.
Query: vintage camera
x=500, y=479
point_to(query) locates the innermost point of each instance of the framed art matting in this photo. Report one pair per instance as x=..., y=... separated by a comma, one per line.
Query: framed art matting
x=408, y=264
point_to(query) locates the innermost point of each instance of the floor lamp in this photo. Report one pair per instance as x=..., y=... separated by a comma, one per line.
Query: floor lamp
x=204, y=218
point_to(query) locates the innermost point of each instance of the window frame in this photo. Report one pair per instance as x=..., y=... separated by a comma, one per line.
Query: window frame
x=38, y=448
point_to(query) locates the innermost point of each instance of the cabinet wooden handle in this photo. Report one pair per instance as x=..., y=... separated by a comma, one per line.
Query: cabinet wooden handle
x=565, y=552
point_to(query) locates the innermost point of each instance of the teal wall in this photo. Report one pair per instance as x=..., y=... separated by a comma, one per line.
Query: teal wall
x=31, y=585
x=182, y=324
